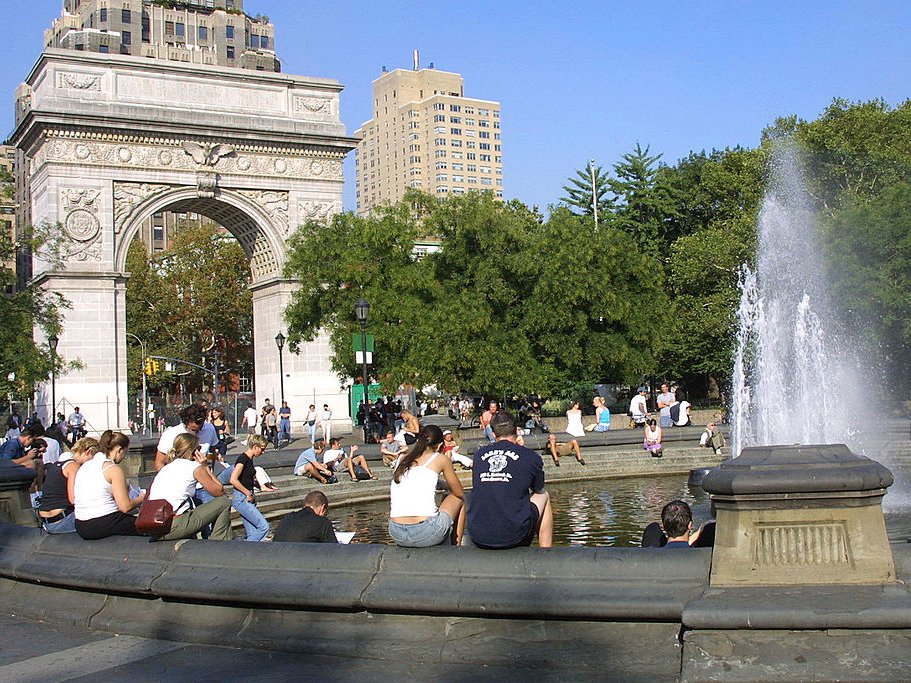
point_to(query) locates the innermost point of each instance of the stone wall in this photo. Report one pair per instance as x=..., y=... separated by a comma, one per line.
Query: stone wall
x=601, y=613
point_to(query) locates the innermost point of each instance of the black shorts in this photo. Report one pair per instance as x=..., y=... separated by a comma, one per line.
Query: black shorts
x=529, y=536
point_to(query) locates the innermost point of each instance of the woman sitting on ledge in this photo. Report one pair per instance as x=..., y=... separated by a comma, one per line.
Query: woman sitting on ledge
x=187, y=466
x=414, y=519
x=101, y=497
x=56, y=511
x=652, y=440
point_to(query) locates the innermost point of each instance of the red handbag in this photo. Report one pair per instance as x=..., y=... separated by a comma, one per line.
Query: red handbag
x=155, y=517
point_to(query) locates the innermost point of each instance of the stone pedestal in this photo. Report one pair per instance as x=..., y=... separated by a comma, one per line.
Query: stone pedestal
x=792, y=515
x=15, y=502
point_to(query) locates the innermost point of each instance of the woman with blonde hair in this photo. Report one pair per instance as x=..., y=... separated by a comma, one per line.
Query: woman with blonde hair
x=185, y=468
x=100, y=495
x=243, y=479
x=56, y=509
x=415, y=521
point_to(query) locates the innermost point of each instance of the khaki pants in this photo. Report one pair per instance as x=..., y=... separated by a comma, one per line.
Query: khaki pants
x=188, y=524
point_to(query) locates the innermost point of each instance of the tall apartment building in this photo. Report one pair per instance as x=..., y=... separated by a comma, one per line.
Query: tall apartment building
x=195, y=31
x=8, y=205
x=426, y=134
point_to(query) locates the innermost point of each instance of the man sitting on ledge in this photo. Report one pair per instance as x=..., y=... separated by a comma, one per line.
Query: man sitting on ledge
x=508, y=503
x=308, y=463
x=677, y=520
x=309, y=524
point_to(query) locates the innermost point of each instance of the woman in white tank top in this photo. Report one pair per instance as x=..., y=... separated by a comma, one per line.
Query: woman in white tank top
x=414, y=519
x=100, y=495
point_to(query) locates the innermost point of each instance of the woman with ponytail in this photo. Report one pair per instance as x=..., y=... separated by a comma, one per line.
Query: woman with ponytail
x=415, y=521
x=101, y=497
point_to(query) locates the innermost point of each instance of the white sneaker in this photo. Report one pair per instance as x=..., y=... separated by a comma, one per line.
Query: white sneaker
x=717, y=451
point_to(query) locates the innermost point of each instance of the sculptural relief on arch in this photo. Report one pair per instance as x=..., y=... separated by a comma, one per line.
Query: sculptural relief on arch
x=107, y=142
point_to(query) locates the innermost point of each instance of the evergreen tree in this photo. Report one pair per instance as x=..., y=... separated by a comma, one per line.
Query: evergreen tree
x=579, y=192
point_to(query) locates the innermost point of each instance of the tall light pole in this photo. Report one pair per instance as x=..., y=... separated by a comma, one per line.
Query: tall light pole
x=145, y=393
x=591, y=166
x=362, y=310
x=52, y=342
x=280, y=343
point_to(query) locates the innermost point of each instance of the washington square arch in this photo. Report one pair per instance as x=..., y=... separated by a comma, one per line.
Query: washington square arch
x=105, y=141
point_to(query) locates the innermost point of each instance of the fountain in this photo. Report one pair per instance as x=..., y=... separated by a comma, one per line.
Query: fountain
x=790, y=510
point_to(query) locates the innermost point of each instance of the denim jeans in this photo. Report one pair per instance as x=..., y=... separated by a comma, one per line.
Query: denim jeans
x=67, y=525
x=255, y=524
x=284, y=429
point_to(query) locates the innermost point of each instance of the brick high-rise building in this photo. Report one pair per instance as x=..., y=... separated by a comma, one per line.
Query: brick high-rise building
x=426, y=134
x=195, y=31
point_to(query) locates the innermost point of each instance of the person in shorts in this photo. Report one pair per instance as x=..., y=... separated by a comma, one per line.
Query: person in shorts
x=509, y=505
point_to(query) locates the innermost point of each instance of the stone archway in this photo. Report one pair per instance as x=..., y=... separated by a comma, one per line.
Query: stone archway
x=105, y=141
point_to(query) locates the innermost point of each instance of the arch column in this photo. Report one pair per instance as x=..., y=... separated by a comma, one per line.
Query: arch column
x=308, y=377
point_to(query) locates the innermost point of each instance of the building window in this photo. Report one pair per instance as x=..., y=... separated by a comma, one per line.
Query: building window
x=485, y=157
x=455, y=119
x=230, y=52
x=229, y=32
x=470, y=156
x=439, y=106
x=456, y=143
x=455, y=167
x=203, y=33
x=264, y=42
x=439, y=118
x=443, y=165
x=484, y=145
x=442, y=177
x=486, y=181
x=470, y=133
x=483, y=134
x=457, y=179
x=126, y=38
x=472, y=180
x=455, y=131
x=102, y=15
x=483, y=112
x=126, y=16
x=455, y=107
x=469, y=110
x=169, y=28
x=483, y=124
x=472, y=168
x=439, y=129
x=440, y=153
x=442, y=189
x=440, y=142
x=104, y=49
x=180, y=31
x=456, y=155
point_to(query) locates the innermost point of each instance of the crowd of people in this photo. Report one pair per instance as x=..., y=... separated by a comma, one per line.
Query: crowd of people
x=84, y=488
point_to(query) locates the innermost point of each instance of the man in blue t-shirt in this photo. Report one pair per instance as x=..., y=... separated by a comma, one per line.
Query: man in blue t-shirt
x=508, y=502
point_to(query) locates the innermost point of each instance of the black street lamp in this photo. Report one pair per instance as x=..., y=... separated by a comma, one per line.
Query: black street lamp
x=52, y=342
x=361, y=311
x=280, y=343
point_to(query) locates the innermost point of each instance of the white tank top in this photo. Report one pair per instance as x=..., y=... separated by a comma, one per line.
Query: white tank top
x=92, y=492
x=415, y=494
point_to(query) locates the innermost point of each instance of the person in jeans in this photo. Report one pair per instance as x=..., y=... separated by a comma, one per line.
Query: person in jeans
x=186, y=466
x=243, y=479
x=415, y=521
x=56, y=509
x=284, y=423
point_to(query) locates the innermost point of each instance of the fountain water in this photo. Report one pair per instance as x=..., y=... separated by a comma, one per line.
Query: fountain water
x=796, y=378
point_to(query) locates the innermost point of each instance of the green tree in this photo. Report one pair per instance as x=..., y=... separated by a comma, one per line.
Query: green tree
x=645, y=200
x=188, y=301
x=869, y=254
x=508, y=302
x=579, y=192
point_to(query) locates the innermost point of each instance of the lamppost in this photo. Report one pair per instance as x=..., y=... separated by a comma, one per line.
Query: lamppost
x=280, y=343
x=361, y=310
x=52, y=342
x=145, y=393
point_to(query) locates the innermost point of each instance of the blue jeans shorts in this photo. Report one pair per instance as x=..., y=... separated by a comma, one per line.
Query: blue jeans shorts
x=432, y=531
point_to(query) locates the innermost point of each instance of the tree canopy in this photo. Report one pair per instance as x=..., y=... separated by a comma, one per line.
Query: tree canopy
x=509, y=302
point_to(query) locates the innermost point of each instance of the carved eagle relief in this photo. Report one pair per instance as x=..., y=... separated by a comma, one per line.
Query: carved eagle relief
x=207, y=155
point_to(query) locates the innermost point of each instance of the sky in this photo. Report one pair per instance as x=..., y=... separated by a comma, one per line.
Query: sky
x=582, y=80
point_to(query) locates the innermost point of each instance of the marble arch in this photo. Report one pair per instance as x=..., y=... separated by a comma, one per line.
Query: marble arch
x=105, y=141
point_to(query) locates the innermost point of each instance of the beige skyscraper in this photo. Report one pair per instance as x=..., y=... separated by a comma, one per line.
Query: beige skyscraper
x=195, y=31
x=426, y=134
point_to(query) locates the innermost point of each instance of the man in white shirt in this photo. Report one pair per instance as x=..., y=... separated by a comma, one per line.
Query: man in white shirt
x=638, y=408
x=251, y=418
x=337, y=460
x=193, y=420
